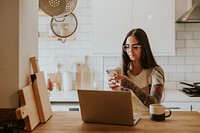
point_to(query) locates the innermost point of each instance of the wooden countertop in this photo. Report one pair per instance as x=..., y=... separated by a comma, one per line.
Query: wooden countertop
x=70, y=122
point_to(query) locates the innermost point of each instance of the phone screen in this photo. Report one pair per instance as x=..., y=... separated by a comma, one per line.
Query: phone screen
x=111, y=71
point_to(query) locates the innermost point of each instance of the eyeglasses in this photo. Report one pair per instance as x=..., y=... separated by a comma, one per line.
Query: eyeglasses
x=133, y=47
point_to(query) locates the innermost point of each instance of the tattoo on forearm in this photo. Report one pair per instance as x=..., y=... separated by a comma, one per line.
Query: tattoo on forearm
x=146, y=99
x=157, y=93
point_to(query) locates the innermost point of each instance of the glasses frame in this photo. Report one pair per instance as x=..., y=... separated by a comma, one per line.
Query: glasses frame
x=134, y=47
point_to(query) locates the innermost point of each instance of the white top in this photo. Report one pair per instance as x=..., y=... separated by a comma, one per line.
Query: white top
x=147, y=78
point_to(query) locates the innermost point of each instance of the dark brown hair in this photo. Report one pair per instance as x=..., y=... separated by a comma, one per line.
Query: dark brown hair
x=147, y=58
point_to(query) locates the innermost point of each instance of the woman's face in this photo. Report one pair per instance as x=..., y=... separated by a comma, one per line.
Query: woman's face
x=133, y=48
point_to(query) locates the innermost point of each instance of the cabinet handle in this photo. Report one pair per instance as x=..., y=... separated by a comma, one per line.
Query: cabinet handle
x=173, y=107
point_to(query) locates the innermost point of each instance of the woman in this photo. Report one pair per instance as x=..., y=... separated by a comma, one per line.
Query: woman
x=139, y=73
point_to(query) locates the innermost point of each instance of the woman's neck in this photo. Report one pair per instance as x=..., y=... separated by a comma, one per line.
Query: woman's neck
x=136, y=68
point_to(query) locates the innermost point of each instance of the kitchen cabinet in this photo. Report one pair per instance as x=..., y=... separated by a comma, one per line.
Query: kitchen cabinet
x=64, y=100
x=65, y=106
x=173, y=99
x=112, y=19
x=178, y=101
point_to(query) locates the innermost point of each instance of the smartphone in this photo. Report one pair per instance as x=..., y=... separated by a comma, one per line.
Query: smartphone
x=111, y=71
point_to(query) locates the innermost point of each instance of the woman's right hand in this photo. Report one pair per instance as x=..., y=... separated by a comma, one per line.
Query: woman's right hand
x=113, y=83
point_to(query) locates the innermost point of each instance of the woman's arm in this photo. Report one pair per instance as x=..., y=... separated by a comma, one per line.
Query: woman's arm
x=154, y=97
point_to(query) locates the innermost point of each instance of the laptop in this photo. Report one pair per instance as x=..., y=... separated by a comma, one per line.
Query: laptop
x=107, y=107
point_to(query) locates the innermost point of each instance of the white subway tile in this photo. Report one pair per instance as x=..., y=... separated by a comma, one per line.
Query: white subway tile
x=192, y=27
x=179, y=27
x=99, y=61
x=180, y=43
x=196, y=68
x=161, y=60
x=196, y=51
x=83, y=3
x=47, y=53
x=192, y=60
x=84, y=28
x=83, y=20
x=193, y=77
x=169, y=68
x=84, y=12
x=111, y=61
x=185, y=68
x=86, y=45
x=44, y=20
x=184, y=51
x=42, y=45
x=197, y=35
x=176, y=60
x=176, y=77
x=42, y=61
x=82, y=36
x=184, y=35
x=192, y=43
x=43, y=28
x=170, y=85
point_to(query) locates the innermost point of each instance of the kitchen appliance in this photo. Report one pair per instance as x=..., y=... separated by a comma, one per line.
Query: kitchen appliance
x=194, y=85
x=193, y=90
x=57, y=8
x=63, y=23
x=193, y=15
x=64, y=27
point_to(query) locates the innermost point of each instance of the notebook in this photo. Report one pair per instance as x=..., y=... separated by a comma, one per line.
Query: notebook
x=107, y=107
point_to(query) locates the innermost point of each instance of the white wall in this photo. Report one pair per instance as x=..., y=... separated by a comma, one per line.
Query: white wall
x=18, y=41
x=184, y=66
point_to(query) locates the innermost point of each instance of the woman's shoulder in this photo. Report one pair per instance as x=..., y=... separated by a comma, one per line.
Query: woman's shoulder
x=155, y=69
x=158, y=68
x=158, y=72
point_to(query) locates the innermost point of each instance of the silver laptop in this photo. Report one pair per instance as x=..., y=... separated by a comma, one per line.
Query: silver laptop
x=107, y=107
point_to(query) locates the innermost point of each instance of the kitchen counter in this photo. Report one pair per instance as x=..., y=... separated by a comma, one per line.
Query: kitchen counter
x=63, y=96
x=174, y=99
x=71, y=96
x=176, y=95
x=179, y=101
x=70, y=122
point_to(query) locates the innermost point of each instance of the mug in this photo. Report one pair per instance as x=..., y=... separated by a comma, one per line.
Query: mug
x=158, y=112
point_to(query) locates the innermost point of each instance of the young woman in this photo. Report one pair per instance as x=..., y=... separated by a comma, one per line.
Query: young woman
x=139, y=71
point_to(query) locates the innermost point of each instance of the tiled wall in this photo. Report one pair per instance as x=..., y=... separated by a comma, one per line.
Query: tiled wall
x=184, y=66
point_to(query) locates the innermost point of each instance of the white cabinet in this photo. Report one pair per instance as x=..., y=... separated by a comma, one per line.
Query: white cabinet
x=157, y=18
x=65, y=106
x=64, y=101
x=183, y=105
x=178, y=101
x=112, y=19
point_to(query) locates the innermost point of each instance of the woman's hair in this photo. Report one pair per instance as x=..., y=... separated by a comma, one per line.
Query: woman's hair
x=147, y=58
